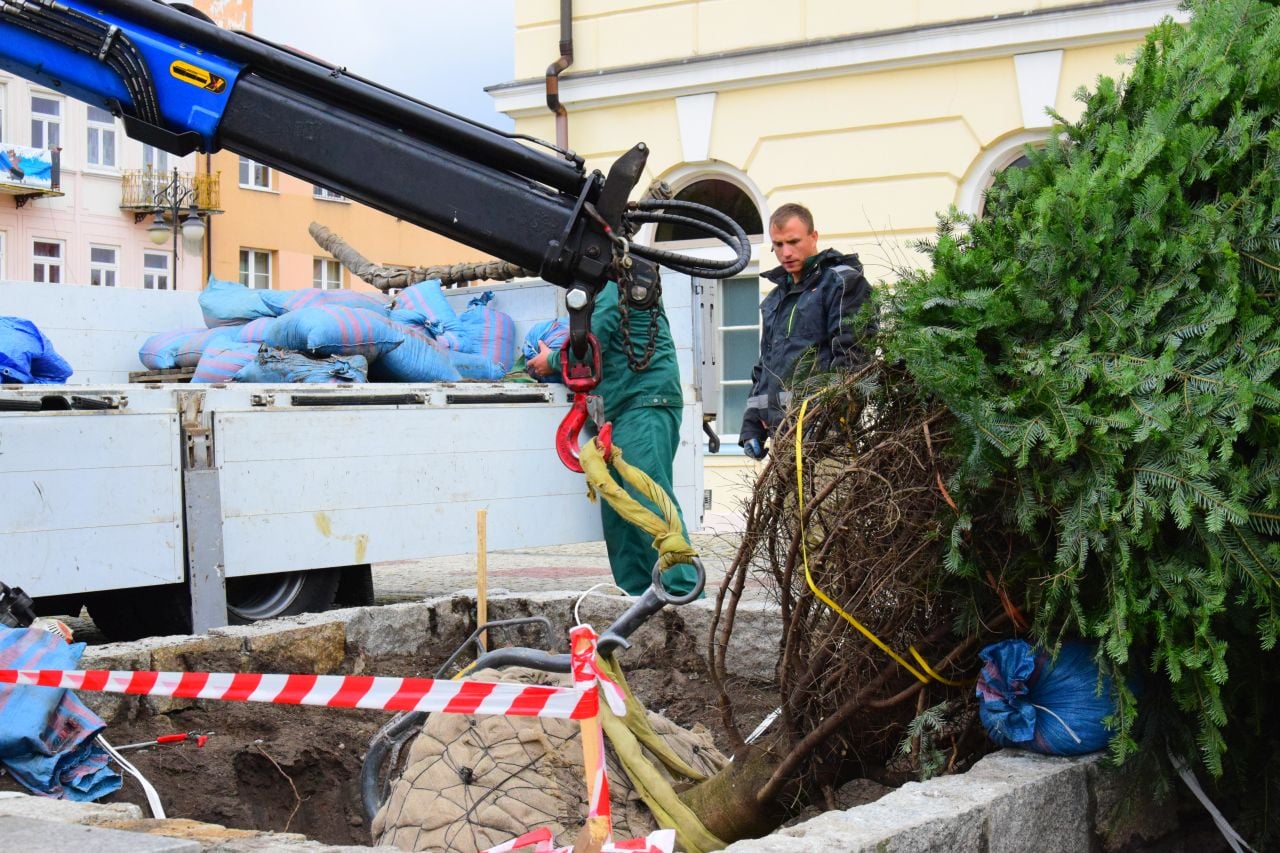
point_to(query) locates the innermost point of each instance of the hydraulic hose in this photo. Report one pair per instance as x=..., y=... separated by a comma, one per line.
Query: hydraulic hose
x=720, y=226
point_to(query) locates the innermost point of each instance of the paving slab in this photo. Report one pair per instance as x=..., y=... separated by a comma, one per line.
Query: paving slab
x=24, y=833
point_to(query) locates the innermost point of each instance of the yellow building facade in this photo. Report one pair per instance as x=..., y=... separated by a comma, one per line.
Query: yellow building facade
x=261, y=237
x=874, y=115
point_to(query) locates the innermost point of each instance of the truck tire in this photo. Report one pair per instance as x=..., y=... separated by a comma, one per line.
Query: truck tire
x=154, y=611
x=257, y=597
x=150, y=611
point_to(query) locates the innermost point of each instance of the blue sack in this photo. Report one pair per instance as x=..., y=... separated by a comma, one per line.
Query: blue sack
x=1031, y=701
x=335, y=330
x=229, y=303
x=221, y=363
x=472, y=365
x=284, y=301
x=27, y=357
x=47, y=736
x=488, y=332
x=181, y=348
x=254, y=331
x=424, y=304
x=419, y=359
x=553, y=333
x=278, y=366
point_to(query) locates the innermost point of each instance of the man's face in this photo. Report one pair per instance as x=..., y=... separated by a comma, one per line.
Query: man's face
x=793, y=244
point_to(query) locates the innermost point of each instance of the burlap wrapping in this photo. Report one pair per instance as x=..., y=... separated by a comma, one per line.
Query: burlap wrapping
x=473, y=782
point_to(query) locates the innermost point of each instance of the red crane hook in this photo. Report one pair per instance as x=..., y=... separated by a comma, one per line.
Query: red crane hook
x=580, y=378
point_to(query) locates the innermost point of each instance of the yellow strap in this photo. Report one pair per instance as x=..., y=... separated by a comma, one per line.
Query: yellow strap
x=826, y=599
x=667, y=532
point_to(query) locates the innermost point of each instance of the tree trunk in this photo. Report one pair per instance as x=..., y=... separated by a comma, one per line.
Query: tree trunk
x=726, y=803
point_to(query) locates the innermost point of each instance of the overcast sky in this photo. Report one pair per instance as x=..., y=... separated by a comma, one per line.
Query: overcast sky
x=443, y=53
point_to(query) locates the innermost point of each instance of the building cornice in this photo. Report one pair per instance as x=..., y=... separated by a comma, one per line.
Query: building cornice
x=960, y=41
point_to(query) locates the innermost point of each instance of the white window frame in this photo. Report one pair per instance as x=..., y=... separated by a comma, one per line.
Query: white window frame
x=50, y=124
x=47, y=264
x=729, y=431
x=249, y=277
x=155, y=159
x=157, y=276
x=104, y=273
x=105, y=132
x=326, y=194
x=254, y=175
x=321, y=270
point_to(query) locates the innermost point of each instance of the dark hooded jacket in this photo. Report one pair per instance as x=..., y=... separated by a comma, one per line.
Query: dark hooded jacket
x=815, y=313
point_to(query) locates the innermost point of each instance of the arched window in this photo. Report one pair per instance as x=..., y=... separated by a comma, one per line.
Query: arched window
x=1009, y=153
x=721, y=195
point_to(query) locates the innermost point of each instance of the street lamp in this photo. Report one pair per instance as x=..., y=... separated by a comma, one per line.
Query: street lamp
x=171, y=199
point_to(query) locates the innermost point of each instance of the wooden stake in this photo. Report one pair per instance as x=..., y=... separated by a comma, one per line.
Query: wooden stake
x=597, y=829
x=482, y=574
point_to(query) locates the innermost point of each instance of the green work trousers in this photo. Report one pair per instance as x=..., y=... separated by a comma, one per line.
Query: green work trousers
x=648, y=436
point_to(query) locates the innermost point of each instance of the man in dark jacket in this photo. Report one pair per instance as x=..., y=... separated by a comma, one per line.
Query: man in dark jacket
x=811, y=310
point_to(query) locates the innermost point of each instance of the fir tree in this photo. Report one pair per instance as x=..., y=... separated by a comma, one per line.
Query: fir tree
x=1108, y=338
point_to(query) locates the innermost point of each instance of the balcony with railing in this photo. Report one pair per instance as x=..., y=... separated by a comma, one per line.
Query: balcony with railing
x=146, y=191
x=27, y=173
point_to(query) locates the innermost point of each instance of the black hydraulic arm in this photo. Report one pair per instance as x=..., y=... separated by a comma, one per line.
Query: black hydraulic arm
x=181, y=83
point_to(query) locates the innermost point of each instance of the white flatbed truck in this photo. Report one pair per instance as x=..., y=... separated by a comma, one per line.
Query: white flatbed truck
x=170, y=508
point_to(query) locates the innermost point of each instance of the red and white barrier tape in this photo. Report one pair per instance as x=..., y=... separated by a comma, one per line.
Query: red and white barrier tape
x=540, y=839
x=347, y=691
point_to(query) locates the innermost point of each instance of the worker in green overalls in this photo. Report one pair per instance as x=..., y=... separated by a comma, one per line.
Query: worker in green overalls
x=645, y=407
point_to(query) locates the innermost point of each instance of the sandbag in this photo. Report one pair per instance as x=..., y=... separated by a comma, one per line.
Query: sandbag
x=488, y=332
x=474, y=366
x=424, y=303
x=473, y=782
x=228, y=303
x=419, y=359
x=220, y=363
x=284, y=301
x=334, y=330
x=278, y=366
x=255, y=331
x=27, y=356
x=181, y=348
x=1031, y=701
x=553, y=333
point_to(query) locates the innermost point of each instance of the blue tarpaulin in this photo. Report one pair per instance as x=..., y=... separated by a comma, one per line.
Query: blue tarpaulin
x=47, y=734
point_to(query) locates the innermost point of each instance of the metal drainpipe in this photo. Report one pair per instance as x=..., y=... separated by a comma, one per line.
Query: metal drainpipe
x=554, y=70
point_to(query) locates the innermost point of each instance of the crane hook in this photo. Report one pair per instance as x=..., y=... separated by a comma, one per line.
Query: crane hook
x=580, y=378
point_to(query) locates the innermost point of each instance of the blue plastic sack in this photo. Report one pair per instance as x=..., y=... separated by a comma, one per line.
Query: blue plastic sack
x=335, y=330
x=1031, y=701
x=472, y=365
x=222, y=363
x=181, y=348
x=47, y=735
x=254, y=331
x=229, y=303
x=553, y=333
x=278, y=366
x=419, y=359
x=424, y=304
x=27, y=357
x=488, y=332
x=284, y=301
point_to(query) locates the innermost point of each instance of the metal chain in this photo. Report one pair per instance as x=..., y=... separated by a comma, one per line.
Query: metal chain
x=622, y=272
